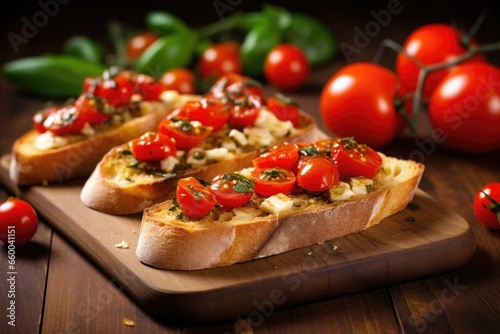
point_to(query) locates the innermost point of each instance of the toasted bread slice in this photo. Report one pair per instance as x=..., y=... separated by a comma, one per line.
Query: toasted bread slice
x=116, y=188
x=79, y=154
x=224, y=238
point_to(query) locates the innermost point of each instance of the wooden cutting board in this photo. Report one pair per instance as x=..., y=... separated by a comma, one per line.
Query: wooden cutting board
x=424, y=239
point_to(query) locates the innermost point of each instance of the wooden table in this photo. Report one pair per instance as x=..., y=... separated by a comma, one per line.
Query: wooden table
x=59, y=290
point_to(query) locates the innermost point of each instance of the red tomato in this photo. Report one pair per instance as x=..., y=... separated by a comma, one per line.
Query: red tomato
x=487, y=206
x=139, y=43
x=186, y=134
x=232, y=190
x=194, y=199
x=353, y=159
x=18, y=222
x=40, y=117
x=317, y=175
x=148, y=87
x=178, y=79
x=269, y=182
x=324, y=146
x=92, y=110
x=153, y=146
x=465, y=108
x=359, y=101
x=65, y=121
x=430, y=44
x=284, y=108
x=235, y=86
x=286, y=67
x=244, y=112
x=117, y=90
x=220, y=59
x=284, y=156
x=207, y=111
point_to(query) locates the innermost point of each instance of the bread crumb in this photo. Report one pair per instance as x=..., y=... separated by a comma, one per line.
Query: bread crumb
x=128, y=322
x=310, y=253
x=122, y=245
x=334, y=248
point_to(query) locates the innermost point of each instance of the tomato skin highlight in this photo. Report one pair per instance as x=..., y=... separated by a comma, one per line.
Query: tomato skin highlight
x=431, y=44
x=19, y=219
x=353, y=159
x=194, y=199
x=269, y=182
x=231, y=190
x=317, y=175
x=359, y=100
x=487, y=211
x=465, y=108
x=153, y=147
x=286, y=67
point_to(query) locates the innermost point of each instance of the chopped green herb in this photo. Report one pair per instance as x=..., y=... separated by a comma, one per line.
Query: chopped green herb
x=309, y=150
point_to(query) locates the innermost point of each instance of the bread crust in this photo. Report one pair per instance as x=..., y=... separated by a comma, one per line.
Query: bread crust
x=30, y=166
x=168, y=244
x=103, y=193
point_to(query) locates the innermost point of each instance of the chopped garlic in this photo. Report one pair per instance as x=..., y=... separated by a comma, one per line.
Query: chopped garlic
x=247, y=172
x=259, y=136
x=88, y=130
x=340, y=192
x=217, y=154
x=268, y=120
x=361, y=185
x=168, y=164
x=277, y=203
x=239, y=137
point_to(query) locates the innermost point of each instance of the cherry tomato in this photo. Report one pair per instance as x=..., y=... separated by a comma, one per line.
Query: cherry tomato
x=487, y=205
x=187, y=134
x=117, y=90
x=207, y=111
x=40, y=117
x=93, y=110
x=286, y=67
x=233, y=85
x=65, y=121
x=220, y=59
x=317, y=175
x=284, y=156
x=139, y=43
x=359, y=101
x=232, y=190
x=324, y=146
x=148, y=87
x=180, y=80
x=244, y=112
x=465, y=108
x=194, y=199
x=153, y=146
x=18, y=222
x=284, y=108
x=269, y=182
x=353, y=159
x=430, y=44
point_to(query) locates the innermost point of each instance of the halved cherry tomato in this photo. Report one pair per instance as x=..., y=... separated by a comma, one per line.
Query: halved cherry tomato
x=269, y=182
x=194, y=199
x=18, y=222
x=187, y=134
x=139, y=43
x=353, y=159
x=245, y=111
x=93, y=110
x=284, y=156
x=40, y=117
x=148, y=87
x=236, y=86
x=232, y=190
x=284, y=108
x=178, y=79
x=317, y=174
x=219, y=59
x=324, y=146
x=117, y=89
x=65, y=121
x=286, y=67
x=208, y=111
x=153, y=146
x=487, y=205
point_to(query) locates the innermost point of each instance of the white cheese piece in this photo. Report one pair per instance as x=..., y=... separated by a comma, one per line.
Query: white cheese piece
x=46, y=141
x=88, y=130
x=196, y=157
x=217, y=154
x=168, y=164
x=361, y=185
x=229, y=144
x=340, y=192
x=169, y=96
x=239, y=137
x=259, y=136
x=277, y=203
x=180, y=153
x=247, y=172
x=268, y=120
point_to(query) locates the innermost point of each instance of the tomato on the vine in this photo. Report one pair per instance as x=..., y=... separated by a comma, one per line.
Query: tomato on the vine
x=465, y=108
x=487, y=205
x=178, y=79
x=18, y=222
x=269, y=182
x=317, y=174
x=286, y=67
x=284, y=109
x=283, y=155
x=219, y=59
x=187, y=134
x=359, y=100
x=431, y=44
x=353, y=159
x=153, y=146
x=139, y=43
x=232, y=190
x=194, y=199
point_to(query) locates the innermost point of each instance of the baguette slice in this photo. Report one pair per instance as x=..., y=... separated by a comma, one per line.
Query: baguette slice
x=108, y=192
x=30, y=166
x=167, y=243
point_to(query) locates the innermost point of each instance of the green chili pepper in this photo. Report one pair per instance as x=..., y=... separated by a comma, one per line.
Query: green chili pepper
x=51, y=75
x=312, y=37
x=167, y=52
x=164, y=23
x=257, y=44
x=83, y=47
